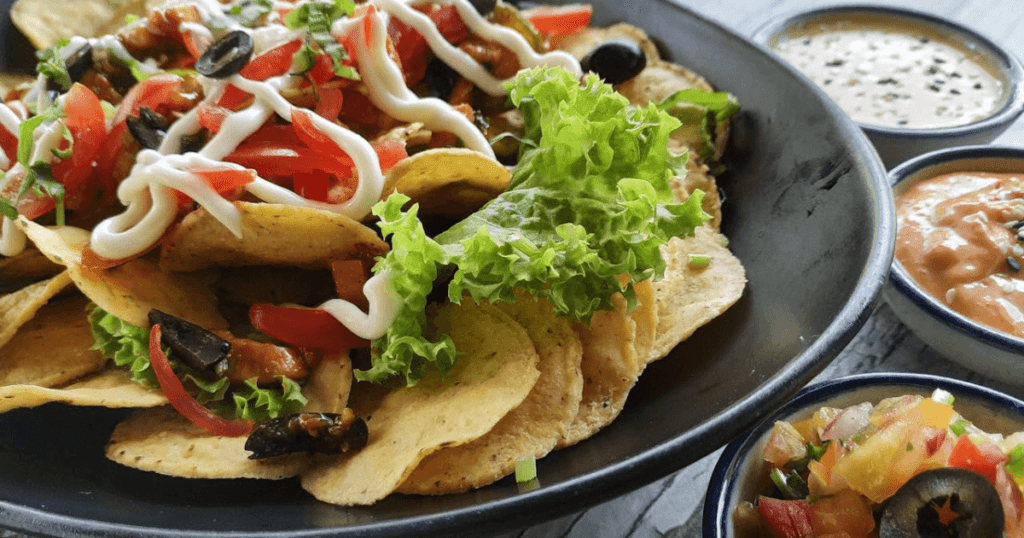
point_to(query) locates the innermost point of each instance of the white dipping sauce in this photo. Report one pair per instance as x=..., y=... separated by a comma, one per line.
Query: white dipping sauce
x=892, y=72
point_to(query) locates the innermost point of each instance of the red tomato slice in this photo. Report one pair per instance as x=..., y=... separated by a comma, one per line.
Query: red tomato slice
x=227, y=182
x=273, y=63
x=389, y=152
x=153, y=91
x=182, y=401
x=785, y=519
x=312, y=185
x=303, y=327
x=211, y=116
x=329, y=104
x=967, y=455
x=317, y=140
x=561, y=19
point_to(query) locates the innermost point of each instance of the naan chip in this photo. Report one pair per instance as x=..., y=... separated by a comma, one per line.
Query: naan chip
x=162, y=441
x=530, y=430
x=272, y=234
x=689, y=297
x=447, y=181
x=496, y=370
x=128, y=291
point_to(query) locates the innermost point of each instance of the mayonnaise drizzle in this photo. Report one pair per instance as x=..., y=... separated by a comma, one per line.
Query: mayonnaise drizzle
x=148, y=191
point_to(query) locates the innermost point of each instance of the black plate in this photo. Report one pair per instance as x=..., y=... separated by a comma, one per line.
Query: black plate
x=808, y=211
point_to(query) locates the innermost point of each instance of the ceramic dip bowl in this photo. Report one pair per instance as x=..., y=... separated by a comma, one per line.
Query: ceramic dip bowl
x=912, y=81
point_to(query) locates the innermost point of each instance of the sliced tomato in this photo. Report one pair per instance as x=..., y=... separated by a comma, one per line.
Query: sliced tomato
x=317, y=140
x=153, y=92
x=272, y=63
x=785, y=519
x=211, y=116
x=329, y=103
x=983, y=460
x=195, y=43
x=412, y=49
x=182, y=401
x=312, y=185
x=228, y=182
x=559, y=19
x=304, y=327
x=389, y=152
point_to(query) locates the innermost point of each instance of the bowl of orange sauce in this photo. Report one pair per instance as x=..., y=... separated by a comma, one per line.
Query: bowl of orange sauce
x=912, y=81
x=957, y=279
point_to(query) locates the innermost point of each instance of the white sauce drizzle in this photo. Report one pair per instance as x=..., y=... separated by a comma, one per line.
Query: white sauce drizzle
x=148, y=191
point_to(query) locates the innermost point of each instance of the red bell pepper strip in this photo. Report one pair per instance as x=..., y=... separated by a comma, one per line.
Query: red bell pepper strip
x=304, y=327
x=182, y=401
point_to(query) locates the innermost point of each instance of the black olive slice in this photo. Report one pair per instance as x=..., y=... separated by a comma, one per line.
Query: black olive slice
x=227, y=56
x=944, y=502
x=615, y=60
x=322, y=433
x=79, y=62
x=148, y=128
x=192, y=344
x=484, y=7
x=440, y=78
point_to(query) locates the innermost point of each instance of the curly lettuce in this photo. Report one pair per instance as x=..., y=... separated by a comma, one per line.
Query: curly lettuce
x=589, y=202
x=128, y=347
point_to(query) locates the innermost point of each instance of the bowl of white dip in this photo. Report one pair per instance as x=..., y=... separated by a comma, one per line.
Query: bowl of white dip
x=912, y=81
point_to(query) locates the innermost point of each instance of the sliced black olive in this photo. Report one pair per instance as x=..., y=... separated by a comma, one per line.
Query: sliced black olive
x=148, y=128
x=615, y=60
x=322, y=433
x=192, y=344
x=484, y=7
x=192, y=143
x=227, y=56
x=944, y=502
x=440, y=79
x=79, y=61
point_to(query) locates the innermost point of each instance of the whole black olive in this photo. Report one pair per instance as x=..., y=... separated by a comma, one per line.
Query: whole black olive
x=227, y=56
x=944, y=502
x=484, y=7
x=191, y=343
x=615, y=60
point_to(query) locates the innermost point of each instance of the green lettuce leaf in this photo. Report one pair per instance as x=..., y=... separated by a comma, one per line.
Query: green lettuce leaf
x=700, y=112
x=128, y=346
x=590, y=200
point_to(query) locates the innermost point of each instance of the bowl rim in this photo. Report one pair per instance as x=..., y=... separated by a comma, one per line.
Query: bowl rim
x=1002, y=59
x=723, y=484
x=901, y=280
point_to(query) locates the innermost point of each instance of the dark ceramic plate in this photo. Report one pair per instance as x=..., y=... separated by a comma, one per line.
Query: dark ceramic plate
x=808, y=211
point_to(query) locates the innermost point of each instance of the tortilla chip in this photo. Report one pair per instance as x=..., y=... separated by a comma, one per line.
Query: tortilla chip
x=24, y=268
x=52, y=348
x=610, y=369
x=530, y=430
x=272, y=234
x=645, y=319
x=496, y=370
x=698, y=176
x=447, y=181
x=688, y=297
x=128, y=291
x=17, y=308
x=44, y=26
x=580, y=43
x=162, y=441
x=107, y=388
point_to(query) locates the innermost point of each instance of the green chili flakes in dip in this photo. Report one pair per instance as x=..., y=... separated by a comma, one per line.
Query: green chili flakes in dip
x=891, y=72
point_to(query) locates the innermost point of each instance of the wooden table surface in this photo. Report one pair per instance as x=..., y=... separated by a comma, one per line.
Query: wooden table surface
x=672, y=506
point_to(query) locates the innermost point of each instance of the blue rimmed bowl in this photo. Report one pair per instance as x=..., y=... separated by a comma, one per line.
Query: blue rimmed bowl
x=741, y=474
x=898, y=144
x=991, y=352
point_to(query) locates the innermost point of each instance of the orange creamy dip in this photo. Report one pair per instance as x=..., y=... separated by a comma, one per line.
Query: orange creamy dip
x=958, y=238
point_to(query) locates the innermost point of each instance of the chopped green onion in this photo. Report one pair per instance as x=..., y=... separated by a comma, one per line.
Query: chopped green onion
x=791, y=485
x=7, y=209
x=130, y=18
x=817, y=451
x=526, y=470
x=699, y=261
x=959, y=427
x=1015, y=465
x=52, y=66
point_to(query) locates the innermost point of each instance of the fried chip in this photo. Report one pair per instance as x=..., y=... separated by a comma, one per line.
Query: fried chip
x=107, y=388
x=610, y=369
x=44, y=26
x=495, y=372
x=698, y=176
x=17, y=308
x=24, y=268
x=327, y=388
x=52, y=348
x=447, y=181
x=272, y=234
x=580, y=43
x=128, y=291
x=162, y=441
x=688, y=296
x=530, y=430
